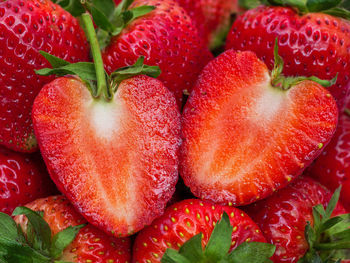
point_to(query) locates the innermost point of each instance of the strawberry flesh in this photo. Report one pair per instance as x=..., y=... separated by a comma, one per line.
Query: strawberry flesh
x=116, y=161
x=243, y=138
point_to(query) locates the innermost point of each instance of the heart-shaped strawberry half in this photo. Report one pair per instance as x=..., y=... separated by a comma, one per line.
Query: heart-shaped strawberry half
x=246, y=133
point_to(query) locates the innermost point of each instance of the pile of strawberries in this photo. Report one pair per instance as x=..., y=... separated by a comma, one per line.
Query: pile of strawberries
x=174, y=131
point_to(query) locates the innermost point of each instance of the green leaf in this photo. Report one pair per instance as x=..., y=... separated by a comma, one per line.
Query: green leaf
x=132, y=14
x=338, y=12
x=106, y=6
x=330, y=223
x=299, y=4
x=101, y=20
x=333, y=202
x=249, y=4
x=8, y=227
x=220, y=240
x=54, y=61
x=40, y=227
x=85, y=70
x=173, y=256
x=321, y=5
x=253, y=252
x=13, y=252
x=192, y=249
x=137, y=69
x=342, y=235
x=72, y=6
x=62, y=239
x=310, y=234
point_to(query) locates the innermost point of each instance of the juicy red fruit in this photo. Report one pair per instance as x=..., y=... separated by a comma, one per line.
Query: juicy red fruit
x=23, y=178
x=167, y=38
x=314, y=44
x=185, y=219
x=243, y=138
x=25, y=28
x=90, y=244
x=332, y=167
x=283, y=217
x=116, y=161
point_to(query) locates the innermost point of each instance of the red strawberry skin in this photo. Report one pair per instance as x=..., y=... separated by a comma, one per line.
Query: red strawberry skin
x=211, y=17
x=332, y=167
x=283, y=216
x=311, y=45
x=25, y=28
x=23, y=178
x=117, y=162
x=166, y=37
x=242, y=138
x=185, y=219
x=90, y=245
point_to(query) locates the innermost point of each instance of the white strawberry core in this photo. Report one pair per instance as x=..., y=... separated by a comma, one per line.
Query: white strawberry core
x=105, y=118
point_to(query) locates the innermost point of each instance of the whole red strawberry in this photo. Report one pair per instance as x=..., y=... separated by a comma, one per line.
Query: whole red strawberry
x=166, y=37
x=23, y=178
x=211, y=17
x=247, y=133
x=186, y=219
x=311, y=43
x=61, y=235
x=283, y=218
x=25, y=28
x=332, y=167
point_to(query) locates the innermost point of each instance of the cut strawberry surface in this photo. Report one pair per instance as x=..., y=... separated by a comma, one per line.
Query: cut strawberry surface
x=117, y=162
x=246, y=134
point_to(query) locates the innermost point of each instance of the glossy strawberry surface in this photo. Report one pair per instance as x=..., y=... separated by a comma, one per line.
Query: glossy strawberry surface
x=26, y=27
x=166, y=37
x=90, y=245
x=283, y=217
x=242, y=138
x=332, y=167
x=116, y=161
x=211, y=17
x=185, y=219
x=23, y=178
x=314, y=44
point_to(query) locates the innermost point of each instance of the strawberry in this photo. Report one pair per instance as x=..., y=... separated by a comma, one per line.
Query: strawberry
x=61, y=234
x=23, y=178
x=284, y=217
x=211, y=17
x=166, y=37
x=25, y=28
x=246, y=133
x=332, y=167
x=311, y=43
x=188, y=218
x=116, y=156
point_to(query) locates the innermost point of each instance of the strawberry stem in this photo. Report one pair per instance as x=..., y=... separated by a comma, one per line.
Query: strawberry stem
x=97, y=57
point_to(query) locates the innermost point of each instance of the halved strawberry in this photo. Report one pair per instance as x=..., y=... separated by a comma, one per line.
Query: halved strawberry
x=247, y=134
x=55, y=232
x=188, y=218
x=111, y=148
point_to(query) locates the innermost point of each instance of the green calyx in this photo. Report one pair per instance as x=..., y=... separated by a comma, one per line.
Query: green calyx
x=217, y=249
x=329, y=238
x=339, y=8
x=37, y=245
x=99, y=83
x=285, y=83
x=110, y=20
